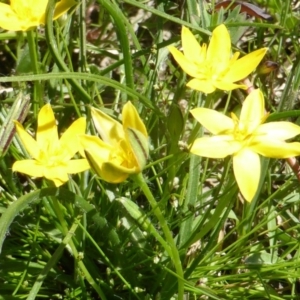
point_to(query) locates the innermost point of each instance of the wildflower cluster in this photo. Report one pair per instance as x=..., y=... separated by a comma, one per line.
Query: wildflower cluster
x=122, y=150
x=245, y=137
x=152, y=164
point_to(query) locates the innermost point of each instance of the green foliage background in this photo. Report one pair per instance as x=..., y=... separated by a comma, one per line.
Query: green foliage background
x=94, y=240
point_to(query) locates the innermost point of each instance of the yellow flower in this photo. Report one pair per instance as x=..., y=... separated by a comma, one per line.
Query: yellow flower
x=24, y=14
x=213, y=67
x=245, y=138
x=51, y=155
x=122, y=149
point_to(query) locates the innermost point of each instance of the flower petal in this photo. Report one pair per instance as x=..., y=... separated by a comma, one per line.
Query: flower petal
x=191, y=48
x=253, y=111
x=247, y=169
x=22, y=15
x=29, y=166
x=213, y=121
x=77, y=165
x=31, y=12
x=62, y=7
x=57, y=174
x=241, y=68
x=109, y=162
x=218, y=146
x=131, y=119
x=234, y=58
x=9, y=20
x=111, y=173
x=28, y=141
x=139, y=145
x=58, y=182
x=278, y=130
x=185, y=63
x=47, y=136
x=110, y=130
x=96, y=147
x=274, y=148
x=105, y=170
x=228, y=86
x=204, y=86
x=219, y=47
x=69, y=140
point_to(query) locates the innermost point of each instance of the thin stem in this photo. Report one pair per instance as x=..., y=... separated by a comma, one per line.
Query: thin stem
x=53, y=47
x=63, y=223
x=172, y=249
x=52, y=261
x=32, y=46
x=117, y=15
x=186, y=227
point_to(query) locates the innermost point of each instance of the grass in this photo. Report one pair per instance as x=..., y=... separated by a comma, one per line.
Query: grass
x=179, y=230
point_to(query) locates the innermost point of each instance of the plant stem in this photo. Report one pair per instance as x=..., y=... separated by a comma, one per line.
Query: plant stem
x=32, y=46
x=172, y=249
x=63, y=223
x=52, y=261
x=115, y=12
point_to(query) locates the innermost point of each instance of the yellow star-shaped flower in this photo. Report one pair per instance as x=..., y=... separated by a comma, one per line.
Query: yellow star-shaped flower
x=21, y=15
x=122, y=149
x=245, y=138
x=213, y=67
x=51, y=155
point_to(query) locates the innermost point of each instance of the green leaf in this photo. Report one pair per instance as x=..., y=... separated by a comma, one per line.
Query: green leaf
x=139, y=216
x=23, y=202
x=16, y=207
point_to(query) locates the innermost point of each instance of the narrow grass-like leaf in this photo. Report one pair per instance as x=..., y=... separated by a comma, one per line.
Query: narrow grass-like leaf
x=18, y=111
x=16, y=207
x=139, y=216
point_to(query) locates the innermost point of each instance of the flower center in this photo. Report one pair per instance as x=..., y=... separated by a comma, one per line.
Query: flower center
x=212, y=70
x=241, y=131
x=123, y=156
x=53, y=155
